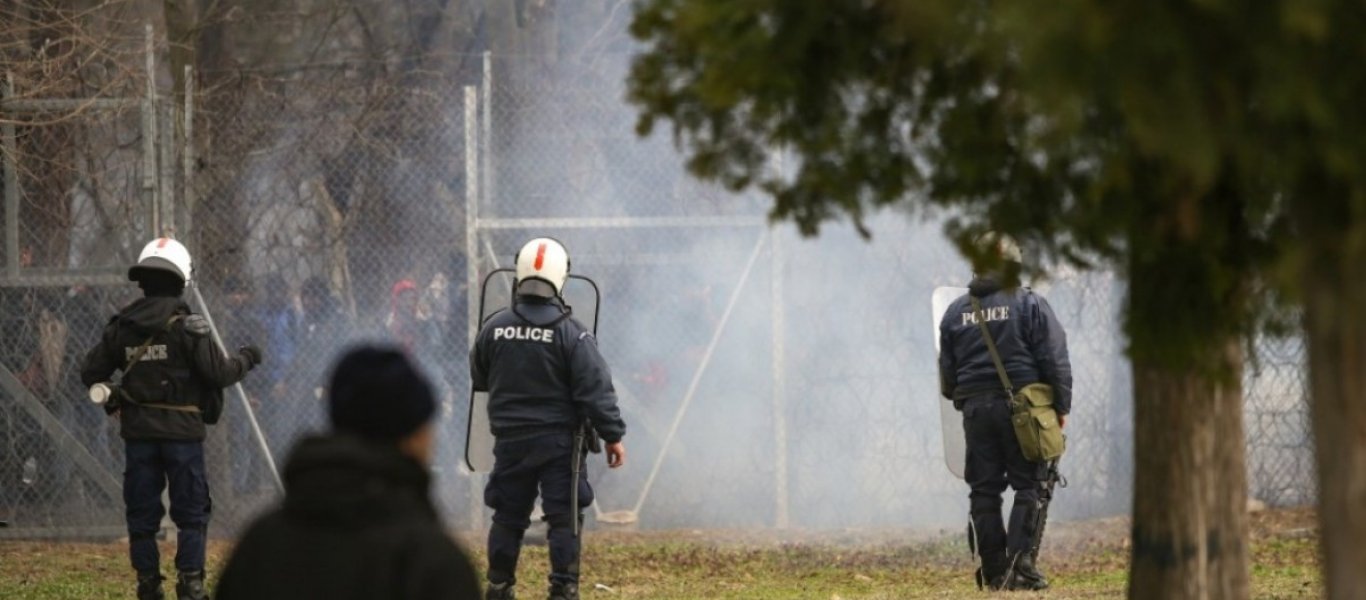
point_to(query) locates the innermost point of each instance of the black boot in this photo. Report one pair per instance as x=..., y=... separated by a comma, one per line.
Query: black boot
x=564, y=591
x=1025, y=576
x=990, y=581
x=149, y=586
x=500, y=591
x=190, y=586
x=987, y=538
x=992, y=574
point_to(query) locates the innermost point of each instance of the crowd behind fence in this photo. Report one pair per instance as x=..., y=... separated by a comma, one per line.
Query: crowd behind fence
x=767, y=380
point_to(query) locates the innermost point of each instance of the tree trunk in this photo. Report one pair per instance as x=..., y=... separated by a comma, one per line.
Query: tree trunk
x=1190, y=489
x=1335, y=291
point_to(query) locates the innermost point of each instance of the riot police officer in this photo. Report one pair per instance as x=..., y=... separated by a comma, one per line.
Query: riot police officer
x=173, y=375
x=1032, y=348
x=545, y=378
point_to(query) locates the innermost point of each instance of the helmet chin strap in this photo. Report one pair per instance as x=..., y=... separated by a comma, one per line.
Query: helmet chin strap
x=540, y=289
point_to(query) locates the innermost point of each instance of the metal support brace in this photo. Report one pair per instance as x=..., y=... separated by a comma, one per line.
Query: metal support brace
x=241, y=395
x=66, y=443
x=701, y=369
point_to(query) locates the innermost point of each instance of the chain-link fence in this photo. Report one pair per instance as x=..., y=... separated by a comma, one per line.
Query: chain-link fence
x=74, y=193
x=329, y=208
x=766, y=380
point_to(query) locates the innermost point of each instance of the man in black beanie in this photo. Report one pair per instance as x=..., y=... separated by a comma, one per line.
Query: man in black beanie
x=357, y=520
x=172, y=380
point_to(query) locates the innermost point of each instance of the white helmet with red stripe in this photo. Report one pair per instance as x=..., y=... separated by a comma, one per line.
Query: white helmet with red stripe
x=543, y=259
x=162, y=254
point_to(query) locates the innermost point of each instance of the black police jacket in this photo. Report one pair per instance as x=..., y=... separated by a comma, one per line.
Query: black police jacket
x=357, y=521
x=1028, y=336
x=178, y=368
x=542, y=371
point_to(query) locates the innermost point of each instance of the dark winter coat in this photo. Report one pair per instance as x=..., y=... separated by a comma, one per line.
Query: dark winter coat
x=178, y=368
x=543, y=371
x=1028, y=336
x=357, y=522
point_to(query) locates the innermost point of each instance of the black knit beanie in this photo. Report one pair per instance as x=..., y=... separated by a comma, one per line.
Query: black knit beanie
x=378, y=394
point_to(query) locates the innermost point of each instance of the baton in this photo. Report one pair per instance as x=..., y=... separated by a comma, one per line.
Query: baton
x=575, y=467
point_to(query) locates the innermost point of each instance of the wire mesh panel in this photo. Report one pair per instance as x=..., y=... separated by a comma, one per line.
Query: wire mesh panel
x=869, y=417
x=72, y=187
x=766, y=380
x=1280, y=451
x=328, y=208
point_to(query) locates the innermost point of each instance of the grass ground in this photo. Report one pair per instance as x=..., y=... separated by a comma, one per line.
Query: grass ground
x=1084, y=560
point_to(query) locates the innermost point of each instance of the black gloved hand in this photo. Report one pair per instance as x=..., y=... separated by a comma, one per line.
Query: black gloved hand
x=251, y=354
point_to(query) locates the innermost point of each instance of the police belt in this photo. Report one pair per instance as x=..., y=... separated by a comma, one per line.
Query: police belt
x=520, y=432
x=973, y=391
x=185, y=408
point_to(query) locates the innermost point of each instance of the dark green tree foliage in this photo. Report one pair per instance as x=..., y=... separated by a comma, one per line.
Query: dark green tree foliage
x=1001, y=115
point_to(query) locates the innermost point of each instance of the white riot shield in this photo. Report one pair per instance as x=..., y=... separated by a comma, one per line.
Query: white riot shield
x=951, y=421
x=580, y=293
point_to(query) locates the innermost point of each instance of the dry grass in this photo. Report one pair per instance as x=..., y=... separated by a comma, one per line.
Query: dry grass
x=1084, y=560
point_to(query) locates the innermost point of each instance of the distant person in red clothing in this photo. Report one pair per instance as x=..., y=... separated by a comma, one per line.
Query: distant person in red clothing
x=404, y=323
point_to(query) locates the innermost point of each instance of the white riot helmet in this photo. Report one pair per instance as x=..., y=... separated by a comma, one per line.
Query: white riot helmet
x=162, y=254
x=545, y=260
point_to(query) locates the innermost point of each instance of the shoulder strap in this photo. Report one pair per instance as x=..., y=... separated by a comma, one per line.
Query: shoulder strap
x=991, y=346
x=142, y=350
x=137, y=356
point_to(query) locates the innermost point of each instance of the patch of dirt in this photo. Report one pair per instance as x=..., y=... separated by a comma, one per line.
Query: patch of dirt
x=1299, y=522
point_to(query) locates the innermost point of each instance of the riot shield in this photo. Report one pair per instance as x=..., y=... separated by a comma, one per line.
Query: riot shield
x=950, y=420
x=580, y=293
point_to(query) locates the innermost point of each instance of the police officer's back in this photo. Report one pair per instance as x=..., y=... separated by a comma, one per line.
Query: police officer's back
x=533, y=354
x=1032, y=347
x=544, y=377
x=172, y=379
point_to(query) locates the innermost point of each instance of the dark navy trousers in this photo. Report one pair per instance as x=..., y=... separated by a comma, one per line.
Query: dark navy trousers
x=522, y=468
x=150, y=467
x=994, y=460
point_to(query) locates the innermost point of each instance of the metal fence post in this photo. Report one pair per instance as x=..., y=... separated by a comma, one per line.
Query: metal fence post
x=150, y=138
x=471, y=256
x=187, y=154
x=486, y=124
x=9, y=147
x=166, y=172
x=778, y=322
x=778, y=367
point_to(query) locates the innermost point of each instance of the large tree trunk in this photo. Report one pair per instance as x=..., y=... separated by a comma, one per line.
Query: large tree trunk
x=1189, y=514
x=1185, y=317
x=1335, y=291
